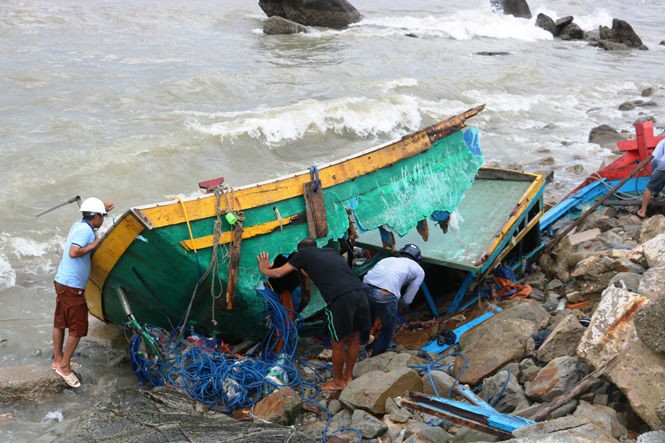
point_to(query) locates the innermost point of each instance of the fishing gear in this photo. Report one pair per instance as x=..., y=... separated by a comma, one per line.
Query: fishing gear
x=76, y=199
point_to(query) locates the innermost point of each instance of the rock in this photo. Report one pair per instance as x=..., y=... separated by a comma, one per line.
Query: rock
x=650, y=324
x=621, y=34
x=386, y=362
x=651, y=227
x=438, y=383
x=27, y=382
x=654, y=251
x=524, y=309
x=567, y=429
x=417, y=432
x=627, y=280
x=545, y=22
x=503, y=391
x=131, y=416
x=282, y=406
x=557, y=377
x=336, y=14
x=516, y=8
x=611, y=333
x=652, y=284
x=279, y=25
x=603, y=417
x=492, y=345
x=571, y=32
x=368, y=425
x=369, y=391
x=605, y=135
x=563, y=339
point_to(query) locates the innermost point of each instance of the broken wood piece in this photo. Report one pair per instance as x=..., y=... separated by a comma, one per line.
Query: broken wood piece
x=542, y=411
x=317, y=222
x=234, y=259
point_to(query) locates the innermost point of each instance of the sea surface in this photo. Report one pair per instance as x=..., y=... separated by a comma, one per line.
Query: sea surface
x=138, y=101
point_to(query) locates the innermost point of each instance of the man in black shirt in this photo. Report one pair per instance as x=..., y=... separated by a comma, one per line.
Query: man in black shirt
x=347, y=310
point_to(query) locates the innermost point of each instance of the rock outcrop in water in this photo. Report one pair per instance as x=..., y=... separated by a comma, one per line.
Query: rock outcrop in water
x=336, y=14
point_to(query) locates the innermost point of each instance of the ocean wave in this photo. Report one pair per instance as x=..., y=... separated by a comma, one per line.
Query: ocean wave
x=390, y=115
x=7, y=273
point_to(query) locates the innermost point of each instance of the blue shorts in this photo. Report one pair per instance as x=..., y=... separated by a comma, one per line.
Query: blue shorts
x=656, y=182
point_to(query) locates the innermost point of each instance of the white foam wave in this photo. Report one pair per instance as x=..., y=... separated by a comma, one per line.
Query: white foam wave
x=53, y=416
x=360, y=116
x=461, y=25
x=7, y=273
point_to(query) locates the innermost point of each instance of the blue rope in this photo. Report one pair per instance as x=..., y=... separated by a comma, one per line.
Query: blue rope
x=314, y=177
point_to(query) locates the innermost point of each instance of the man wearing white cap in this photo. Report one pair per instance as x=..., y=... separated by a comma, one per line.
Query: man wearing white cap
x=71, y=311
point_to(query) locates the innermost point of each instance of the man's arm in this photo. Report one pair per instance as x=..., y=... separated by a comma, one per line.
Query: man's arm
x=412, y=287
x=265, y=269
x=76, y=251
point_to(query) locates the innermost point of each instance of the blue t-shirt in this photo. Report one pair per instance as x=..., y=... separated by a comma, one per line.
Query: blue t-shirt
x=74, y=272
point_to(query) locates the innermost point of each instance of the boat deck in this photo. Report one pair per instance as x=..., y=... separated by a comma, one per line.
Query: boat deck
x=487, y=206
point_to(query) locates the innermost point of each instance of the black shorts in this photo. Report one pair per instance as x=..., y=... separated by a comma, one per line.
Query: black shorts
x=656, y=182
x=348, y=314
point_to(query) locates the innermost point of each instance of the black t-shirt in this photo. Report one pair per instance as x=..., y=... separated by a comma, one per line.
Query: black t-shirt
x=328, y=270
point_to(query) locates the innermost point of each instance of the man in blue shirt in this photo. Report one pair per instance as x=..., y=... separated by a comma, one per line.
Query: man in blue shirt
x=71, y=311
x=392, y=281
x=657, y=180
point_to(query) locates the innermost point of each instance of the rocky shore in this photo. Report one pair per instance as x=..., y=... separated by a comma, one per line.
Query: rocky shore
x=584, y=356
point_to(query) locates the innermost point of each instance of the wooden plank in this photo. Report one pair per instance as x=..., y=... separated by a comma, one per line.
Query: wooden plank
x=317, y=221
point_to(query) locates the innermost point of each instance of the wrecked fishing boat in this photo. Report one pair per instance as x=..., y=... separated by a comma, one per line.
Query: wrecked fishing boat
x=192, y=262
x=498, y=223
x=621, y=183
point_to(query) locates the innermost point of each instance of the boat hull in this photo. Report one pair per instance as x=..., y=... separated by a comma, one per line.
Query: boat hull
x=173, y=259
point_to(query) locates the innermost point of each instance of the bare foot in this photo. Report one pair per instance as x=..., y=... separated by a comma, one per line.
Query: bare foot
x=641, y=214
x=333, y=385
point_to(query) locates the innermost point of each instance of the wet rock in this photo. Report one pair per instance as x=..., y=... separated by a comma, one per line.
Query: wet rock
x=547, y=23
x=516, y=8
x=279, y=25
x=336, y=14
x=369, y=391
x=557, y=377
x=28, y=382
x=621, y=34
x=647, y=92
x=603, y=417
x=563, y=339
x=650, y=324
x=571, y=32
x=282, y=406
x=611, y=333
x=605, y=135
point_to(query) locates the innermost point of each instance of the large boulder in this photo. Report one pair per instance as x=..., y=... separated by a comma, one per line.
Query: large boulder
x=612, y=333
x=620, y=36
x=279, y=25
x=370, y=391
x=336, y=14
x=517, y=8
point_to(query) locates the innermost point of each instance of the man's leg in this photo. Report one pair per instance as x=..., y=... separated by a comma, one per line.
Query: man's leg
x=338, y=357
x=64, y=364
x=386, y=311
x=58, y=342
x=646, y=198
x=352, y=351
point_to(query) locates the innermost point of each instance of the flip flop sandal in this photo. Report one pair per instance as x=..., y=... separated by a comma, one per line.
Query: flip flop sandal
x=72, y=365
x=70, y=379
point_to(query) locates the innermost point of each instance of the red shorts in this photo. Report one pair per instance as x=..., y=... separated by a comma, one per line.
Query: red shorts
x=70, y=310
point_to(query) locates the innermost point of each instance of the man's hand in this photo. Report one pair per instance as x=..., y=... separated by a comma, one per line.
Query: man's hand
x=108, y=206
x=264, y=262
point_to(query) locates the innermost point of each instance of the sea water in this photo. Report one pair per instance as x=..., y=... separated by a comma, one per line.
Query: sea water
x=138, y=101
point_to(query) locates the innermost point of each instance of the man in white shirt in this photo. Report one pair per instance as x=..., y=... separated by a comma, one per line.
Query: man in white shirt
x=657, y=180
x=392, y=281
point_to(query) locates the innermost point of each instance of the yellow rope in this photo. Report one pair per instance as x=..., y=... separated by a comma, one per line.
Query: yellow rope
x=189, y=227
